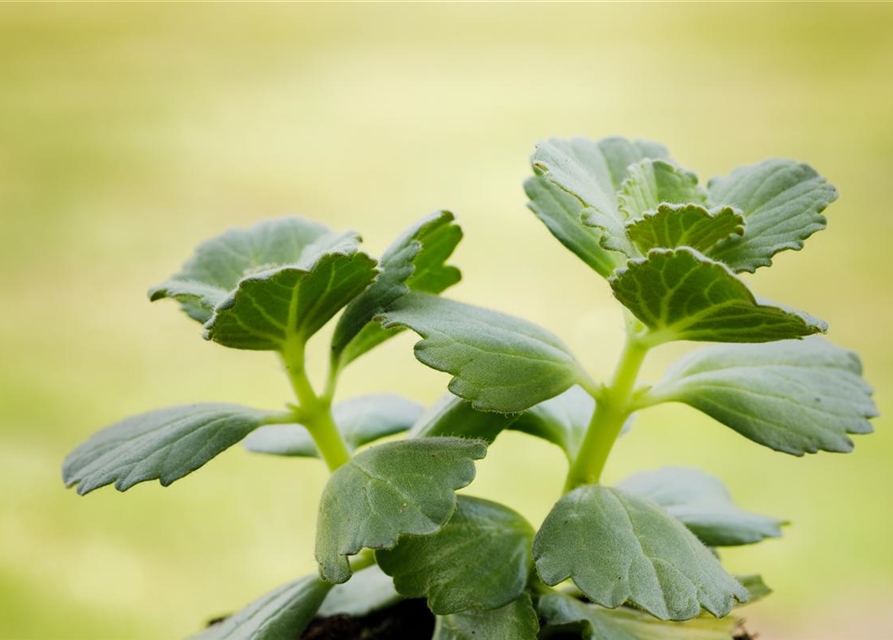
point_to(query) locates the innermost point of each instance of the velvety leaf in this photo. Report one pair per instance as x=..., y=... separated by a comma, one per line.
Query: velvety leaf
x=498, y=362
x=792, y=396
x=702, y=503
x=782, y=201
x=415, y=261
x=480, y=559
x=679, y=294
x=280, y=615
x=560, y=212
x=690, y=225
x=652, y=182
x=619, y=548
x=561, y=420
x=164, y=445
x=756, y=588
x=367, y=591
x=515, y=621
x=597, y=623
x=361, y=420
x=453, y=416
x=389, y=490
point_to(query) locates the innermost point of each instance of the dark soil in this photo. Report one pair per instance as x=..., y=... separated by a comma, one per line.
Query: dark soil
x=408, y=620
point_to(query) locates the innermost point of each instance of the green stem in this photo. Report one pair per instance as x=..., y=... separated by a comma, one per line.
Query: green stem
x=613, y=407
x=316, y=412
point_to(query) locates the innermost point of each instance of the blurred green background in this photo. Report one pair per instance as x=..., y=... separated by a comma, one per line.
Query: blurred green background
x=130, y=132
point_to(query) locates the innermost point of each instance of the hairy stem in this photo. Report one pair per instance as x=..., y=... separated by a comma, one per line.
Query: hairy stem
x=613, y=407
x=316, y=412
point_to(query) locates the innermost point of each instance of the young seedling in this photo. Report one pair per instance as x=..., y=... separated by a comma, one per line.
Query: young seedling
x=634, y=561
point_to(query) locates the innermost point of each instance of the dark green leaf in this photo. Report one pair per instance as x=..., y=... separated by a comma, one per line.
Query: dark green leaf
x=280, y=615
x=561, y=420
x=453, y=416
x=515, y=621
x=679, y=294
x=651, y=182
x=415, y=261
x=164, y=445
x=782, y=201
x=498, y=362
x=702, y=503
x=480, y=559
x=361, y=420
x=560, y=212
x=619, y=548
x=689, y=225
x=792, y=396
x=389, y=490
x=367, y=591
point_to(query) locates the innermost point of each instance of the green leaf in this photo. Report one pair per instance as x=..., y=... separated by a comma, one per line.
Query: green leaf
x=515, y=621
x=793, y=396
x=560, y=212
x=561, y=420
x=782, y=201
x=689, y=225
x=368, y=591
x=702, y=503
x=679, y=294
x=756, y=588
x=594, y=173
x=652, y=182
x=597, y=623
x=498, y=362
x=164, y=445
x=389, y=490
x=282, y=614
x=361, y=420
x=453, y=416
x=415, y=261
x=619, y=548
x=480, y=559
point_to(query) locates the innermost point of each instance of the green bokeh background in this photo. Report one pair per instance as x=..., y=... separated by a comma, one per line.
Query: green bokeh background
x=130, y=132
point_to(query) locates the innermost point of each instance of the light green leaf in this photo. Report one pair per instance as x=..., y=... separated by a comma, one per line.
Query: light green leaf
x=498, y=362
x=560, y=212
x=361, y=420
x=480, y=559
x=597, y=623
x=702, y=503
x=757, y=589
x=415, y=261
x=367, y=591
x=453, y=416
x=782, y=202
x=282, y=614
x=793, y=396
x=165, y=445
x=652, y=182
x=389, y=490
x=594, y=173
x=679, y=294
x=515, y=621
x=689, y=225
x=561, y=420
x=619, y=548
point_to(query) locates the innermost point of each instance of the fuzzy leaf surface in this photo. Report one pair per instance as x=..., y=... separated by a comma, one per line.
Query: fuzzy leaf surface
x=680, y=294
x=450, y=415
x=480, y=559
x=279, y=615
x=792, y=396
x=619, y=548
x=360, y=420
x=561, y=213
x=515, y=621
x=498, y=362
x=652, y=182
x=702, y=503
x=561, y=420
x=389, y=490
x=689, y=225
x=415, y=261
x=597, y=623
x=165, y=445
x=782, y=202
x=367, y=591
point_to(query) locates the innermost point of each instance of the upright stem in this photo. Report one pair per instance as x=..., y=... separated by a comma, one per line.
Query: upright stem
x=611, y=411
x=316, y=412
